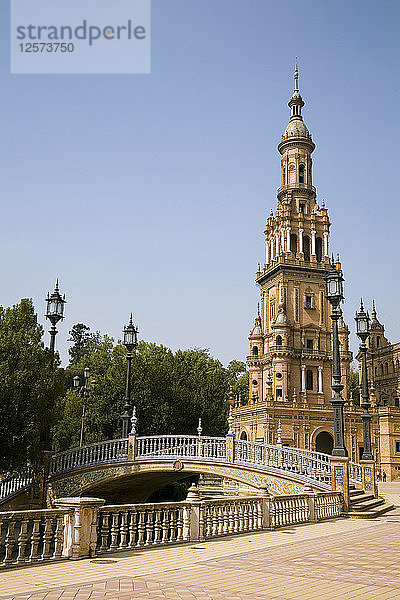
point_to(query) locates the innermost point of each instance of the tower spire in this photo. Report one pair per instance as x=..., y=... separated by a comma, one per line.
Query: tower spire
x=296, y=77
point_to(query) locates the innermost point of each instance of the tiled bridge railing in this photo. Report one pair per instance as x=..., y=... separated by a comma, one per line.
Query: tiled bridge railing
x=81, y=527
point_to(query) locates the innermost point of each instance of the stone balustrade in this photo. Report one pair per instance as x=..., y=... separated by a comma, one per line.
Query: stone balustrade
x=29, y=536
x=82, y=527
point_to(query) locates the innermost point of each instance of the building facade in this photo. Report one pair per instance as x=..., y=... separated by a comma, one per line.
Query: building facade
x=290, y=360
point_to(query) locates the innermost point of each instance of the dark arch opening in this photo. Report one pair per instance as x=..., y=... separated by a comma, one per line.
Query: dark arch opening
x=293, y=244
x=279, y=340
x=318, y=249
x=243, y=435
x=324, y=442
x=301, y=173
x=255, y=351
x=306, y=248
x=309, y=380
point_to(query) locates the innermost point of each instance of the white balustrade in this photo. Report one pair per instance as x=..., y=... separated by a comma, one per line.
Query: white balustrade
x=181, y=446
x=101, y=452
x=355, y=472
x=12, y=485
x=31, y=536
x=327, y=506
x=227, y=516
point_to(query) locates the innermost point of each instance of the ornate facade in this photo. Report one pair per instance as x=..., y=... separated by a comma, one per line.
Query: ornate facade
x=290, y=361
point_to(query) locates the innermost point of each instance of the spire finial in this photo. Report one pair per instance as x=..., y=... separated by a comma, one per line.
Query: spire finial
x=361, y=304
x=296, y=77
x=258, y=309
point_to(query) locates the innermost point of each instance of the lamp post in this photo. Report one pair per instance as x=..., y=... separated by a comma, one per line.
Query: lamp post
x=55, y=312
x=334, y=287
x=130, y=343
x=83, y=391
x=362, y=330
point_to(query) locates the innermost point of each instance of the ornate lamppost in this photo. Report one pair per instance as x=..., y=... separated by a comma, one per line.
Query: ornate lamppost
x=55, y=312
x=362, y=330
x=334, y=287
x=83, y=391
x=130, y=343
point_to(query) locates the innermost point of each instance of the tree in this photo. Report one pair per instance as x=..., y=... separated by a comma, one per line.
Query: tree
x=239, y=380
x=31, y=384
x=83, y=342
x=354, y=385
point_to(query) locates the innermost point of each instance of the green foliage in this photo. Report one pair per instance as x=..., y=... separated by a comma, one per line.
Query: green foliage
x=354, y=385
x=170, y=390
x=83, y=342
x=239, y=380
x=31, y=383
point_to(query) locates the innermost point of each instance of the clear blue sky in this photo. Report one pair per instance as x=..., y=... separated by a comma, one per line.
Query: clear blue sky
x=149, y=193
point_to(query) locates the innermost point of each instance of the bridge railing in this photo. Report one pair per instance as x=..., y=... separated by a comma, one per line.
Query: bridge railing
x=12, y=485
x=101, y=452
x=314, y=465
x=355, y=472
x=181, y=446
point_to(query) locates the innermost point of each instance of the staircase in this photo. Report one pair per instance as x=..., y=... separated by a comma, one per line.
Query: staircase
x=366, y=506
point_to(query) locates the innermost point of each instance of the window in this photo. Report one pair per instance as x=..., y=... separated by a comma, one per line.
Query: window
x=308, y=302
x=272, y=310
x=278, y=375
x=296, y=439
x=307, y=440
x=378, y=341
x=279, y=340
x=255, y=351
x=397, y=364
x=255, y=382
x=386, y=368
x=318, y=249
x=306, y=248
x=397, y=402
x=310, y=344
x=321, y=300
x=301, y=207
x=309, y=380
x=293, y=244
x=279, y=392
x=376, y=371
x=301, y=173
x=296, y=304
x=397, y=446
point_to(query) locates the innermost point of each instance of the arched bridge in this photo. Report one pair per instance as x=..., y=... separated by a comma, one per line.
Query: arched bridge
x=134, y=467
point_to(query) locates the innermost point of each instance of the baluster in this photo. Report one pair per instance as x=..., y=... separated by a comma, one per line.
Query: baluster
x=157, y=527
x=124, y=530
x=246, y=516
x=132, y=516
x=186, y=523
x=231, y=517
x=104, y=531
x=35, y=538
x=47, y=537
x=173, y=525
x=164, y=525
x=220, y=508
x=22, y=541
x=241, y=516
x=59, y=537
x=114, y=530
x=179, y=537
x=149, y=526
x=141, y=527
x=9, y=542
x=236, y=521
x=225, y=528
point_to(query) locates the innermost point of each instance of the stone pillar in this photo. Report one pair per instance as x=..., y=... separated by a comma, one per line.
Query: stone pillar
x=230, y=448
x=311, y=500
x=132, y=446
x=303, y=378
x=267, y=253
x=340, y=478
x=282, y=241
x=80, y=526
x=195, y=520
x=272, y=249
x=368, y=470
x=265, y=508
x=313, y=234
x=326, y=244
x=288, y=230
x=276, y=244
x=301, y=241
x=320, y=384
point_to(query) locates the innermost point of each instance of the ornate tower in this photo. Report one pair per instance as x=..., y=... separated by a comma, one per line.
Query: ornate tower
x=290, y=345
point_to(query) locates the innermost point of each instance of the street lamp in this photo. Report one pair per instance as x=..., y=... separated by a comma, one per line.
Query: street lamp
x=130, y=343
x=362, y=330
x=334, y=293
x=83, y=391
x=55, y=312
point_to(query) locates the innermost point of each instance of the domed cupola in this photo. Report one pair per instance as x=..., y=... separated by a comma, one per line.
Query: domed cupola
x=296, y=127
x=375, y=325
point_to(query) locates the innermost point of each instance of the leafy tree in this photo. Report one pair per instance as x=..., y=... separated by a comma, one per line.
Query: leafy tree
x=239, y=380
x=31, y=383
x=354, y=385
x=83, y=342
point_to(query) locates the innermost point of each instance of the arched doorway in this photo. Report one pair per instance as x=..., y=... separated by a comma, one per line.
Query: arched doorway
x=324, y=442
x=243, y=435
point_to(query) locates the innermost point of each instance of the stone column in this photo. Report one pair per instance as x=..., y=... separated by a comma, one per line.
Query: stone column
x=288, y=230
x=272, y=250
x=320, y=386
x=313, y=234
x=267, y=253
x=277, y=244
x=326, y=244
x=80, y=526
x=265, y=508
x=303, y=378
x=340, y=478
x=194, y=506
x=369, y=477
x=282, y=241
x=301, y=241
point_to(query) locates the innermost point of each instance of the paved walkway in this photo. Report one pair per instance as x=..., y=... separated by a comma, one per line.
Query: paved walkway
x=347, y=558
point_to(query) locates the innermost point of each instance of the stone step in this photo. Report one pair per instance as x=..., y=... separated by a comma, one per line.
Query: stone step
x=354, y=493
x=360, y=498
x=371, y=514
x=368, y=504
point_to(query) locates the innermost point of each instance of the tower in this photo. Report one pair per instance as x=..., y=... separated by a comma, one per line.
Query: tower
x=290, y=361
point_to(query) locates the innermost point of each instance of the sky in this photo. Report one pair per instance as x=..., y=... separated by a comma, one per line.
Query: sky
x=149, y=193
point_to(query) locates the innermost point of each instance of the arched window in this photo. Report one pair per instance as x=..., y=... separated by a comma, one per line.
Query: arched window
x=396, y=402
x=386, y=368
x=382, y=371
x=306, y=248
x=283, y=176
x=255, y=351
x=318, y=249
x=243, y=435
x=378, y=341
x=301, y=173
x=397, y=364
x=293, y=244
x=309, y=380
x=278, y=340
x=376, y=371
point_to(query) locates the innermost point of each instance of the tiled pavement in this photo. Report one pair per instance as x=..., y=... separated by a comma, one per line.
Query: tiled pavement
x=347, y=559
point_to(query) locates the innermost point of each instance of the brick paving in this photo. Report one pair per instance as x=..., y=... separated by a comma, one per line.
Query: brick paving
x=347, y=559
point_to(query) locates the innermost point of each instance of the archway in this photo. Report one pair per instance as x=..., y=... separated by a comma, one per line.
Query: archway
x=243, y=435
x=324, y=442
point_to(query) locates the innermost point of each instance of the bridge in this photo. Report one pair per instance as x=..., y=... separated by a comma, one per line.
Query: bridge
x=130, y=469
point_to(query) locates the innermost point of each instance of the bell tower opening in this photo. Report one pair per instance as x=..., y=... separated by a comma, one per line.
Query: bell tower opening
x=324, y=442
